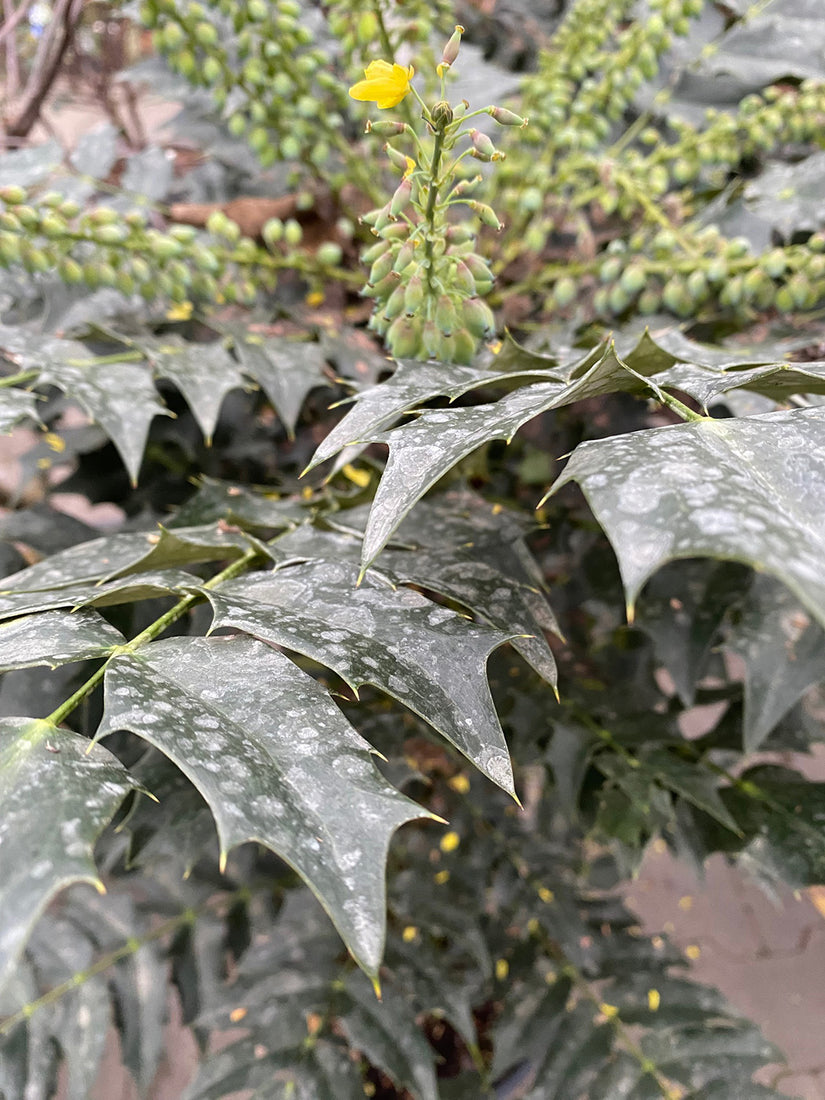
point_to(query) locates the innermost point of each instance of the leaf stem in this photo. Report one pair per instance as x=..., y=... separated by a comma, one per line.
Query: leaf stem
x=150, y=633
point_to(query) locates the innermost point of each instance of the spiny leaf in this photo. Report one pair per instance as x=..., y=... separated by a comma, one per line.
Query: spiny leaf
x=429, y=658
x=120, y=397
x=55, y=637
x=276, y=761
x=321, y=1072
x=750, y=490
x=56, y=799
x=16, y=405
x=116, y=555
x=128, y=589
x=387, y=1033
x=784, y=654
x=204, y=374
x=286, y=371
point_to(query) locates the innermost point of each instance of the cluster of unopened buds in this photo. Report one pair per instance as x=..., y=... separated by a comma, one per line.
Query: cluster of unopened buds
x=426, y=277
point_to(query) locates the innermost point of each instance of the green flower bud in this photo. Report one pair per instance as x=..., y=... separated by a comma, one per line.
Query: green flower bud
x=53, y=225
x=610, y=270
x=398, y=159
x=70, y=271
x=445, y=347
x=185, y=63
x=649, y=302
x=442, y=115
x=258, y=10
x=9, y=249
x=450, y=52
x=478, y=317
x=486, y=213
x=12, y=194
x=293, y=234
x=784, y=300
x=28, y=217
x=716, y=271
x=171, y=38
x=414, y=295
x=111, y=234
x=774, y=263
x=371, y=254
x=464, y=278
x=329, y=253
x=385, y=128
x=404, y=338
x=464, y=346
x=404, y=256
x=381, y=289
x=401, y=198
x=483, y=148
x=446, y=317
x=506, y=118
x=564, y=291
x=697, y=286
x=206, y=34
x=382, y=267
x=395, y=303
x=394, y=231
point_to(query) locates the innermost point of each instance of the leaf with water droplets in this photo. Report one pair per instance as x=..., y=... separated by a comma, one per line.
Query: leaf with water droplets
x=750, y=490
x=276, y=761
x=286, y=370
x=429, y=658
x=784, y=655
x=55, y=638
x=56, y=799
x=16, y=405
x=120, y=397
x=204, y=374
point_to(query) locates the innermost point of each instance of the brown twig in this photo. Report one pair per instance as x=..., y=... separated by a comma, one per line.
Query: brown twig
x=50, y=53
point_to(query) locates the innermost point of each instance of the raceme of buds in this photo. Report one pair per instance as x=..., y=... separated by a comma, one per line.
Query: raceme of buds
x=426, y=278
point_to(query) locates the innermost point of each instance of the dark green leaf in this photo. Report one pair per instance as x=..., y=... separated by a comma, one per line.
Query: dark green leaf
x=57, y=797
x=750, y=490
x=784, y=654
x=276, y=761
x=387, y=1033
x=430, y=659
x=120, y=397
x=286, y=370
x=55, y=638
x=204, y=374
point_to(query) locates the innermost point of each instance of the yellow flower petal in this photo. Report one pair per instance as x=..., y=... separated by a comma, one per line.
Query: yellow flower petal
x=384, y=84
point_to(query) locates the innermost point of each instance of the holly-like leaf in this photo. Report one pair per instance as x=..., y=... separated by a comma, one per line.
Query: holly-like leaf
x=57, y=797
x=286, y=370
x=129, y=589
x=118, y=555
x=429, y=658
x=784, y=654
x=749, y=490
x=275, y=760
x=204, y=374
x=16, y=406
x=120, y=397
x=386, y=1032
x=55, y=638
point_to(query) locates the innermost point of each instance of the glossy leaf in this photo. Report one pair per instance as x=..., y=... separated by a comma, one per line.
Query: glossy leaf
x=56, y=798
x=286, y=370
x=386, y=1032
x=784, y=654
x=54, y=638
x=750, y=490
x=275, y=760
x=204, y=374
x=372, y=634
x=16, y=406
x=120, y=397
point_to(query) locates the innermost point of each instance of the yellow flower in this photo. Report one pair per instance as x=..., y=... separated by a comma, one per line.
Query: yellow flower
x=386, y=84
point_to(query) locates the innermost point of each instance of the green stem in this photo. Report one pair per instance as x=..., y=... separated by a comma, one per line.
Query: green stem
x=432, y=199
x=149, y=634
x=130, y=947
x=19, y=379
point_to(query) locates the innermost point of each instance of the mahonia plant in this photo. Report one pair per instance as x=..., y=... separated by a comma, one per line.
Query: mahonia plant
x=426, y=277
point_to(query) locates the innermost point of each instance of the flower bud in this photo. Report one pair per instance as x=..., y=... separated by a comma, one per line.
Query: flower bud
x=506, y=118
x=446, y=317
x=371, y=254
x=293, y=234
x=483, y=148
x=464, y=278
x=385, y=128
x=454, y=44
x=414, y=295
x=329, y=253
x=13, y=194
x=465, y=185
x=486, y=213
x=395, y=303
x=442, y=115
x=401, y=198
x=405, y=256
x=465, y=346
x=398, y=159
x=564, y=292
x=404, y=338
x=381, y=267
x=478, y=317
x=381, y=289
